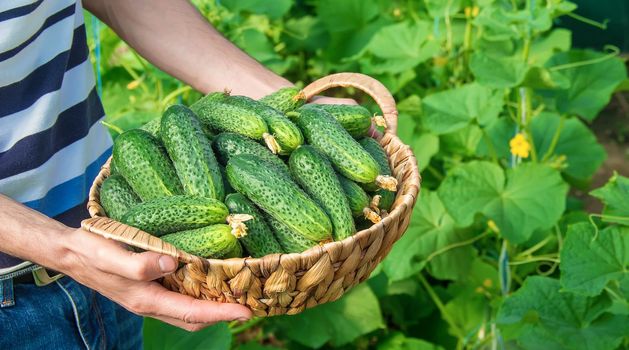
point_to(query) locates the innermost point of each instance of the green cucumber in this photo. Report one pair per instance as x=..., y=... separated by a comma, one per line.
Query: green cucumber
x=355, y=119
x=112, y=167
x=286, y=133
x=152, y=127
x=143, y=162
x=216, y=112
x=359, y=201
x=214, y=242
x=259, y=240
x=191, y=152
x=227, y=145
x=165, y=215
x=291, y=241
x=328, y=136
x=285, y=99
x=379, y=154
x=315, y=174
x=117, y=197
x=228, y=188
x=278, y=196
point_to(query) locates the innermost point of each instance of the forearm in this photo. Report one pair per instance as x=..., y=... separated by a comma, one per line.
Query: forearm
x=29, y=235
x=174, y=36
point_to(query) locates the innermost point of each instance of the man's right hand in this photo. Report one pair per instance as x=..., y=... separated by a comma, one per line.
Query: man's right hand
x=127, y=278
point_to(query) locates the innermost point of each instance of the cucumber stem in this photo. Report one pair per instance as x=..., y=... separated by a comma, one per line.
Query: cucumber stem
x=300, y=96
x=371, y=215
x=236, y=221
x=271, y=143
x=379, y=121
x=387, y=182
x=375, y=203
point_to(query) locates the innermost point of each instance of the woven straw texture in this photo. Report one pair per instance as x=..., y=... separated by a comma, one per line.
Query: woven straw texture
x=287, y=283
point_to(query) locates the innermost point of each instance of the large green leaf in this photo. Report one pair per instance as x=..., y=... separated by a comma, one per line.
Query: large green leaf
x=347, y=15
x=615, y=195
x=590, y=260
x=539, y=316
x=451, y=110
x=339, y=322
x=591, y=85
x=398, y=341
x=545, y=46
x=496, y=139
x=584, y=155
x=530, y=197
x=497, y=71
x=463, y=141
x=431, y=228
x=274, y=9
x=399, y=47
x=159, y=335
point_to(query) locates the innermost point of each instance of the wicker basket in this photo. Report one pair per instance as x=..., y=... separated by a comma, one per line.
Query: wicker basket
x=287, y=283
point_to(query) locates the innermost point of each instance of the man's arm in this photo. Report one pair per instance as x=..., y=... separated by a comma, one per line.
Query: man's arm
x=174, y=36
x=104, y=265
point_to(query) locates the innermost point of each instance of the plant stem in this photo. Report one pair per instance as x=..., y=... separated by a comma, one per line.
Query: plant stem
x=435, y=172
x=534, y=248
x=455, y=245
x=444, y=313
x=448, y=23
x=174, y=94
x=534, y=259
x=553, y=142
x=614, y=52
x=504, y=273
x=591, y=22
x=243, y=327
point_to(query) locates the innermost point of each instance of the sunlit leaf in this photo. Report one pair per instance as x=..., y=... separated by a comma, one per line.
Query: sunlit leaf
x=615, y=195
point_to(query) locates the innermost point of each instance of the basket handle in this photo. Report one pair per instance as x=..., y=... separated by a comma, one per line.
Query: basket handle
x=363, y=82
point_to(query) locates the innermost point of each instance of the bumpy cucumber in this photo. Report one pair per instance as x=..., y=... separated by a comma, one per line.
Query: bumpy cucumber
x=117, y=197
x=378, y=153
x=315, y=174
x=278, y=196
x=143, y=162
x=328, y=136
x=227, y=145
x=228, y=188
x=215, y=111
x=291, y=241
x=259, y=240
x=286, y=133
x=286, y=99
x=152, y=127
x=191, y=151
x=176, y=213
x=355, y=119
x=359, y=201
x=214, y=241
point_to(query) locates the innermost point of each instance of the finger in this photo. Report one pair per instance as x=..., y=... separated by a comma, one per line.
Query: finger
x=332, y=100
x=190, y=327
x=112, y=258
x=373, y=132
x=191, y=310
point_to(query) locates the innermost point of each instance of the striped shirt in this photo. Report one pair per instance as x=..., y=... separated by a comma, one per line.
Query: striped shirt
x=52, y=143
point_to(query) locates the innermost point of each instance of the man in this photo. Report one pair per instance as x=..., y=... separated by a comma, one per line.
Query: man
x=51, y=147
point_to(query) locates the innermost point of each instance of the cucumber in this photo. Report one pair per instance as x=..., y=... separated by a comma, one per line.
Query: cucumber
x=378, y=153
x=278, y=196
x=228, y=188
x=227, y=145
x=259, y=240
x=328, y=136
x=191, y=152
x=143, y=162
x=359, y=201
x=112, y=167
x=290, y=241
x=165, y=215
x=117, y=197
x=216, y=112
x=209, y=133
x=286, y=99
x=315, y=174
x=355, y=119
x=286, y=133
x=152, y=127
x=214, y=241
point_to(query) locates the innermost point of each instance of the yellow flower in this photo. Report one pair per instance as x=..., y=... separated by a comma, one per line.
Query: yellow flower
x=397, y=12
x=520, y=146
x=134, y=84
x=487, y=283
x=492, y=226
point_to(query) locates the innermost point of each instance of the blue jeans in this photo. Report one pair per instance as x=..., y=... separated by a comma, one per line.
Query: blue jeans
x=65, y=315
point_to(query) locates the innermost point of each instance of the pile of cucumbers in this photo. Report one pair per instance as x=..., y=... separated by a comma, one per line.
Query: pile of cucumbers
x=231, y=176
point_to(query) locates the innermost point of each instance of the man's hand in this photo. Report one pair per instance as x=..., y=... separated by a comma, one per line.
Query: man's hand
x=127, y=278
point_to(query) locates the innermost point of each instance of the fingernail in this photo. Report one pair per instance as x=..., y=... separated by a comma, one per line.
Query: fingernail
x=167, y=264
x=242, y=319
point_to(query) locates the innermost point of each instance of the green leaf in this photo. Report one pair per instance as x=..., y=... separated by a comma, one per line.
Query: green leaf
x=431, y=228
x=463, y=141
x=615, y=195
x=159, y=335
x=399, y=47
x=497, y=139
x=304, y=33
x=590, y=260
x=591, y=85
x=347, y=15
x=532, y=196
x=440, y=8
x=451, y=110
x=547, y=45
x=539, y=316
x=497, y=71
x=261, y=48
x=253, y=345
x=274, y=9
x=398, y=341
x=576, y=142
x=339, y=322
x=425, y=146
